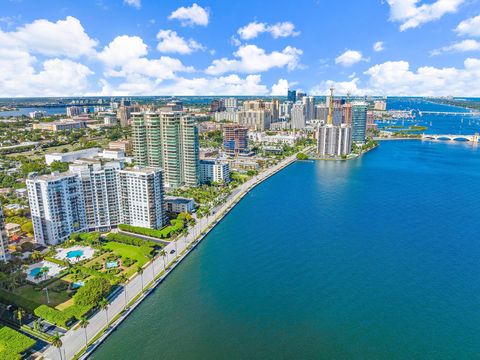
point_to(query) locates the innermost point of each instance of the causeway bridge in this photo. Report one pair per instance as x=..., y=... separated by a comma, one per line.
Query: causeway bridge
x=470, y=113
x=451, y=137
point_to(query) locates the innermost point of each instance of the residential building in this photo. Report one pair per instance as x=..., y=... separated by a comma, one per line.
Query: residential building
x=255, y=119
x=359, y=121
x=298, y=116
x=125, y=145
x=285, y=110
x=74, y=111
x=177, y=205
x=3, y=237
x=12, y=229
x=229, y=115
x=380, y=105
x=142, y=197
x=231, y=104
x=334, y=140
x=61, y=125
x=37, y=114
x=321, y=112
x=168, y=140
x=214, y=170
x=309, y=106
x=235, y=139
x=56, y=206
x=253, y=105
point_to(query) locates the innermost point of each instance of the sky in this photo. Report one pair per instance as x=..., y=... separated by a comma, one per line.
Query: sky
x=248, y=47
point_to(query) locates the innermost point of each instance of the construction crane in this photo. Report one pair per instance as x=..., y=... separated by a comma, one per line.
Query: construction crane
x=330, y=108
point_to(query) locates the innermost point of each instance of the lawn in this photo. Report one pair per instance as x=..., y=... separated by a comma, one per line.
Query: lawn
x=139, y=253
x=39, y=296
x=13, y=344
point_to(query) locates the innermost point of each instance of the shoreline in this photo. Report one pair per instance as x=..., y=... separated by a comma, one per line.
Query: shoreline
x=185, y=247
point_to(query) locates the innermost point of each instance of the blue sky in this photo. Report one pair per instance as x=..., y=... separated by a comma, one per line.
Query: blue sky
x=166, y=47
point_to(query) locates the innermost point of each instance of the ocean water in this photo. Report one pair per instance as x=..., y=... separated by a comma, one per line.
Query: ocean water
x=376, y=258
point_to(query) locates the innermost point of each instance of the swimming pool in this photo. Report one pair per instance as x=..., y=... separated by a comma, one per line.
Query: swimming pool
x=74, y=254
x=111, y=264
x=35, y=271
x=77, y=284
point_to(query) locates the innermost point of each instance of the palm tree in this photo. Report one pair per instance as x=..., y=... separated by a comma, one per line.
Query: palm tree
x=140, y=271
x=44, y=270
x=103, y=304
x=20, y=314
x=83, y=324
x=163, y=254
x=57, y=342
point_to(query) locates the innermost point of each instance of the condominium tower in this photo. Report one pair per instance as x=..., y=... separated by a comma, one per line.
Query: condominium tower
x=168, y=140
x=3, y=237
x=359, y=121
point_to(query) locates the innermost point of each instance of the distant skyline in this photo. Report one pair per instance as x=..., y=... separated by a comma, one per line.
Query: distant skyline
x=167, y=47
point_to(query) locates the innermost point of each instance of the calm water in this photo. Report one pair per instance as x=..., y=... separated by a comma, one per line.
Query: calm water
x=26, y=111
x=376, y=258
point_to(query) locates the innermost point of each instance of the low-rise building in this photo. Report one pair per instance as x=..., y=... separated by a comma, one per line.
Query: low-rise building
x=214, y=170
x=12, y=228
x=176, y=204
x=61, y=125
x=125, y=145
x=72, y=155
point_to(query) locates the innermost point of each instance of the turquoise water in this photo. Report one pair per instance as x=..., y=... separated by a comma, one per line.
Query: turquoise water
x=77, y=284
x=35, y=271
x=111, y=264
x=376, y=258
x=74, y=254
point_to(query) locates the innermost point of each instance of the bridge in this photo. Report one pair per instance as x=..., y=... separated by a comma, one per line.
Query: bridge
x=470, y=113
x=451, y=137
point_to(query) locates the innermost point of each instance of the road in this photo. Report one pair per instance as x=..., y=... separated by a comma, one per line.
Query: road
x=75, y=339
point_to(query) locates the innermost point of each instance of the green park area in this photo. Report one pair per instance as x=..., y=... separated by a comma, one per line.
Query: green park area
x=79, y=287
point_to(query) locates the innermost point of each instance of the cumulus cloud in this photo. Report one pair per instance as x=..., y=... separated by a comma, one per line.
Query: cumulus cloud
x=134, y=3
x=62, y=38
x=378, y=46
x=469, y=27
x=461, y=46
x=225, y=85
x=126, y=55
x=414, y=13
x=171, y=42
x=56, y=77
x=191, y=16
x=349, y=58
x=280, y=29
x=252, y=59
x=341, y=87
x=280, y=88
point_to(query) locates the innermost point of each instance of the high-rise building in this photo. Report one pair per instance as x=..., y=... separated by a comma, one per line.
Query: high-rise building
x=142, y=197
x=73, y=111
x=334, y=140
x=100, y=189
x=168, y=140
x=256, y=120
x=253, y=105
x=230, y=104
x=274, y=108
x=285, y=110
x=321, y=112
x=3, y=237
x=56, y=206
x=298, y=116
x=292, y=96
x=359, y=121
x=347, y=114
x=309, y=105
x=235, y=139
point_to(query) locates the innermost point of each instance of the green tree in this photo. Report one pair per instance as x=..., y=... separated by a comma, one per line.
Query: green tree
x=20, y=315
x=83, y=324
x=103, y=305
x=93, y=290
x=57, y=342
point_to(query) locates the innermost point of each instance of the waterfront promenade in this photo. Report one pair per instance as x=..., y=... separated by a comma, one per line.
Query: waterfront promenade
x=138, y=287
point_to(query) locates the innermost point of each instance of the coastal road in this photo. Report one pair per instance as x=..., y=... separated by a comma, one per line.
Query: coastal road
x=75, y=339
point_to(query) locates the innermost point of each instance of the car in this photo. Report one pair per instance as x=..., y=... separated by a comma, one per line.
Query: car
x=172, y=251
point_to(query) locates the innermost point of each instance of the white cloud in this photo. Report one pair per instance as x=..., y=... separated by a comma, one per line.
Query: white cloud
x=461, y=46
x=171, y=42
x=469, y=27
x=126, y=55
x=341, y=87
x=378, y=46
x=134, y=3
x=349, y=58
x=252, y=59
x=62, y=38
x=280, y=88
x=411, y=14
x=56, y=77
x=224, y=85
x=123, y=49
x=191, y=16
x=280, y=29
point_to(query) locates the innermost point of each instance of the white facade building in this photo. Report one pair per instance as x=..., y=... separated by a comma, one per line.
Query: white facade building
x=3, y=237
x=298, y=116
x=214, y=170
x=176, y=204
x=56, y=206
x=334, y=140
x=142, y=197
x=71, y=156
